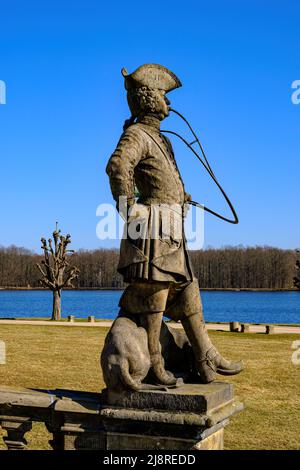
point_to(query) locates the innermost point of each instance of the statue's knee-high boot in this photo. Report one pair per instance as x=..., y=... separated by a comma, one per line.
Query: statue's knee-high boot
x=209, y=362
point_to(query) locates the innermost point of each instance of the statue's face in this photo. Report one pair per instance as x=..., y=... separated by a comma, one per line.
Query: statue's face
x=162, y=105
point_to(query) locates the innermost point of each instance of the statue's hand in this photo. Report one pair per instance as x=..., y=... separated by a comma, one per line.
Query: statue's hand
x=124, y=205
x=187, y=197
x=137, y=221
x=186, y=206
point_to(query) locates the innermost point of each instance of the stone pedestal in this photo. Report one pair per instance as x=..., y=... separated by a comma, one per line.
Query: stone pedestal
x=188, y=417
x=191, y=417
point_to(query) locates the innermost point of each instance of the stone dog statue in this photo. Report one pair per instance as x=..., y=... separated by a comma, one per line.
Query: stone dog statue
x=125, y=358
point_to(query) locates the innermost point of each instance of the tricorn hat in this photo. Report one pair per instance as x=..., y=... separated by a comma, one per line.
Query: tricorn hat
x=153, y=76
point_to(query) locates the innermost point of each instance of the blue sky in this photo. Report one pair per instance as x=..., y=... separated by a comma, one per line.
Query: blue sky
x=66, y=104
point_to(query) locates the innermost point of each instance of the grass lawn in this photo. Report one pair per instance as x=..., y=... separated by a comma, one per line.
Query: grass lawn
x=64, y=357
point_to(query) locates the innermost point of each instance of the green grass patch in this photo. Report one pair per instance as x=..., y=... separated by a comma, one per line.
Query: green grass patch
x=43, y=357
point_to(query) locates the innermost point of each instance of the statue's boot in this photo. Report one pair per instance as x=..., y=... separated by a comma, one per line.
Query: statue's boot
x=209, y=361
x=152, y=323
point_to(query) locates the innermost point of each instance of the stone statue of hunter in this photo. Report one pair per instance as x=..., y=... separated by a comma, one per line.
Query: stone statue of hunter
x=158, y=270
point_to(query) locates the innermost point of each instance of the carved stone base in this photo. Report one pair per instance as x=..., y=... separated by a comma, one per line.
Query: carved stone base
x=191, y=417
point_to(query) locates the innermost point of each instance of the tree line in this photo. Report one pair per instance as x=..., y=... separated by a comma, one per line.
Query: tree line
x=230, y=267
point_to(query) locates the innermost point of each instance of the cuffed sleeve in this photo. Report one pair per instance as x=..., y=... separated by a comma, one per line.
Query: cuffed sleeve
x=121, y=165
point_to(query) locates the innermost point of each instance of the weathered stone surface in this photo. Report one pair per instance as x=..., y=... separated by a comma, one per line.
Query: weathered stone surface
x=188, y=397
x=118, y=441
x=213, y=442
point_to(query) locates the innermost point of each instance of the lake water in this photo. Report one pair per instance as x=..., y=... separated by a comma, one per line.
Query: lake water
x=223, y=306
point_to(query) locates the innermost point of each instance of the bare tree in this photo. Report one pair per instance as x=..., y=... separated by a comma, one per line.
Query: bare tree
x=297, y=277
x=55, y=268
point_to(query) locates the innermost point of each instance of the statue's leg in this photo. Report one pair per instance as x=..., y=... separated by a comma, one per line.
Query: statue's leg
x=152, y=324
x=187, y=307
x=148, y=301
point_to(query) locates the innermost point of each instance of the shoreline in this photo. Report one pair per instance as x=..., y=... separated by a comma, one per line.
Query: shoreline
x=258, y=328
x=81, y=320
x=209, y=289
